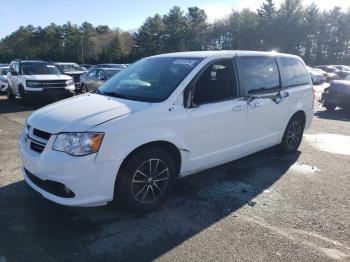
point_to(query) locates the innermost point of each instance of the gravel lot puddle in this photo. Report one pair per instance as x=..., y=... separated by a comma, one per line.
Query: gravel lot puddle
x=331, y=143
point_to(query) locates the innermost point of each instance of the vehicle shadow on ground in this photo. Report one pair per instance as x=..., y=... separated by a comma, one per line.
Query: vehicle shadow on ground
x=15, y=106
x=339, y=114
x=32, y=227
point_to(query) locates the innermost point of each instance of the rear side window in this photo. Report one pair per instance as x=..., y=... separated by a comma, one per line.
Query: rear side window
x=293, y=72
x=258, y=74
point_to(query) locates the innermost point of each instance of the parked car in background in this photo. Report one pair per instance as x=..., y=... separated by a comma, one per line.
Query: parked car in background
x=337, y=94
x=329, y=76
x=96, y=77
x=316, y=76
x=34, y=79
x=342, y=67
x=332, y=69
x=163, y=118
x=120, y=66
x=3, y=78
x=87, y=66
x=73, y=70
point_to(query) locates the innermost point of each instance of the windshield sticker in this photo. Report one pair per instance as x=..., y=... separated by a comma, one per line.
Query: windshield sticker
x=189, y=62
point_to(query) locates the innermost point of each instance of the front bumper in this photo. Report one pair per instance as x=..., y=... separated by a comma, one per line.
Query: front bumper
x=50, y=92
x=92, y=184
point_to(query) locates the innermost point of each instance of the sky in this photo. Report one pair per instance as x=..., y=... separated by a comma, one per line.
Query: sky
x=127, y=15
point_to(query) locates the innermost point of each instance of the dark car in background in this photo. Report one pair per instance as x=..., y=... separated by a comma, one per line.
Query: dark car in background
x=73, y=70
x=329, y=76
x=316, y=76
x=342, y=74
x=337, y=94
x=95, y=77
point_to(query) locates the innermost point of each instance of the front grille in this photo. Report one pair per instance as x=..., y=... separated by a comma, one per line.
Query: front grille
x=37, y=139
x=41, y=134
x=36, y=147
x=50, y=186
x=50, y=83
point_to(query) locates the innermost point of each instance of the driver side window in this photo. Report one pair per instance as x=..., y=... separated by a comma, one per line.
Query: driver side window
x=217, y=83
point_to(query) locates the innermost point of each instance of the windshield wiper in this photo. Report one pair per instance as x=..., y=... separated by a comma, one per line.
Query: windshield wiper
x=113, y=94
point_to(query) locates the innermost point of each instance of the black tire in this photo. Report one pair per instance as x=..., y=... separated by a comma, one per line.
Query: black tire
x=9, y=94
x=145, y=180
x=292, y=135
x=330, y=107
x=25, y=98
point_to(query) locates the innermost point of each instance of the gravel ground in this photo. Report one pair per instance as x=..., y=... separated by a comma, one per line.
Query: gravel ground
x=265, y=207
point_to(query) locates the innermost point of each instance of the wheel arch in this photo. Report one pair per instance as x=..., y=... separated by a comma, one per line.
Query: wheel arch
x=171, y=148
x=300, y=113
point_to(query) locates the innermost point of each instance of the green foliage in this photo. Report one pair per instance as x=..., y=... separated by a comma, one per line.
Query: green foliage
x=83, y=44
x=292, y=28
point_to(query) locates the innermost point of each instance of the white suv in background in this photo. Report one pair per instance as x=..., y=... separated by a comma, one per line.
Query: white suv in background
x=162, y=118
x=33, y=79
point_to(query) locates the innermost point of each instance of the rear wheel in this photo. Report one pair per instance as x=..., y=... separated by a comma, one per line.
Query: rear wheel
x=293, y=135
x=9, y=94
x=145, y=180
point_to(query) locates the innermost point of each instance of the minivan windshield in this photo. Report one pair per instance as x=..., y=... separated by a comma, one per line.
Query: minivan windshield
x=36, y=68
x=150, y=80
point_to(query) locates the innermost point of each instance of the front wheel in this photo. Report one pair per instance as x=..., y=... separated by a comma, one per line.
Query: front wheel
x=9, y=94
x=145, y=180
x=293, y=135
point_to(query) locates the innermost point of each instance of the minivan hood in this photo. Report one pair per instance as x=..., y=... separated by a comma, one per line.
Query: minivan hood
x=80, y=113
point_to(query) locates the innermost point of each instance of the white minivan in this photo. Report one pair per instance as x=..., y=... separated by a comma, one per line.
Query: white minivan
x=162, y=118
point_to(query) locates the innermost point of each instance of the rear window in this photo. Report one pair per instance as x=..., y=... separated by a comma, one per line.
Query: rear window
x=258, y=74
x=293, y=72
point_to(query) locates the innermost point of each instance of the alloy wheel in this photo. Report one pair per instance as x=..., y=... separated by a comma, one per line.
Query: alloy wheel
x=294, y=135
x=150, y=181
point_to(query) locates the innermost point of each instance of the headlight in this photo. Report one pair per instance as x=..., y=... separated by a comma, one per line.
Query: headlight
x=78, y=144
x=69, y=82
x=33, y=83
x=26, y=128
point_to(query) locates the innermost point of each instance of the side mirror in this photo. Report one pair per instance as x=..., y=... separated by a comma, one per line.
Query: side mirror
x=102, y=78
x=13, y=72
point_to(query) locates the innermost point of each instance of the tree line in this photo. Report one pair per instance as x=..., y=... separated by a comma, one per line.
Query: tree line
x=319, y=37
